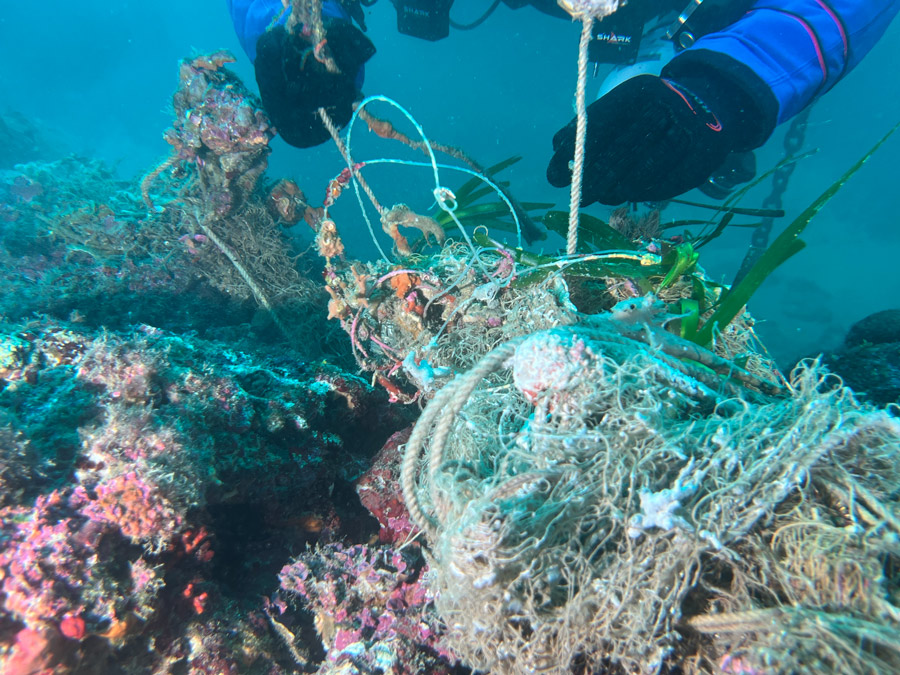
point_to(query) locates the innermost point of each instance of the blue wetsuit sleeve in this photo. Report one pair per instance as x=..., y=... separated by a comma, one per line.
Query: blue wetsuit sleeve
x=786, y=53
x=251, y=18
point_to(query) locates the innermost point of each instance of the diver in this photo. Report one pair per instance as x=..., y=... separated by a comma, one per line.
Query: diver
x=703, y=86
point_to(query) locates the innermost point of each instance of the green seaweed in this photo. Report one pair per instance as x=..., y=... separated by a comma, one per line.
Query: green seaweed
x=703, y=240
x=592, y=232
x=785, y=245
x=738, y=211
x=617, y=263
x=464, y=193
x=681, y=259
x=730, y=209
x=730, y=203
x=690, y=316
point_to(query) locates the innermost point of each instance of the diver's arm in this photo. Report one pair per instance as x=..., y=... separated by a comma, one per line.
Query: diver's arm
x=651, y=138
x=786, y=53
x=296, y=77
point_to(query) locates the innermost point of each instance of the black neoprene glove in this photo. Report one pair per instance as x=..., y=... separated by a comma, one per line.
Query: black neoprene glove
x=293, y=83
x=652, y=138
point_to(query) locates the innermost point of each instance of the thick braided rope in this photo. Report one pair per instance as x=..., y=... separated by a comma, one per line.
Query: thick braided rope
x=462, y=391
x=587, y=25
x=342, y=148
x=411, y=458
x=306, y=15
x=440, y=415
x=738, y=622
x=152, y=176
x=254, y=287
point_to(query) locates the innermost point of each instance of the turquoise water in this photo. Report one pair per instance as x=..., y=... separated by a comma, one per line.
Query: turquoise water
x=168, y=475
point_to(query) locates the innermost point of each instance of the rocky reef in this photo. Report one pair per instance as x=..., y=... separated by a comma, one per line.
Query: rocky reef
x=869, y=358
x=176, y=424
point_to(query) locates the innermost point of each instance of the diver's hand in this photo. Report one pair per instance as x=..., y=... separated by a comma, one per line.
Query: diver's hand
x=649, y=139
x=294, y=80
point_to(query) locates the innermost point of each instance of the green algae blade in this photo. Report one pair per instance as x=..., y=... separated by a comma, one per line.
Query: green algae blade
x=591, y=231
x=484, y=191
x=463, y=194
x=785, y=245
x=690, y=316
x=720, y=228
x=736, y=210
x=682, y=258
x=492, y=215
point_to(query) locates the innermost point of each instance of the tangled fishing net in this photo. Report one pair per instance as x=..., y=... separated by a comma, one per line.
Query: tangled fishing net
x=591, y=498
x=598, y=493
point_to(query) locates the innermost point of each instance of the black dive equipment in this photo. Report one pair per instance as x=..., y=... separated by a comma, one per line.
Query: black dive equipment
x=704, y=16
x=425, y=19
x=617, y=38
x=737, y=169
x=294, y=84
x=355, y=9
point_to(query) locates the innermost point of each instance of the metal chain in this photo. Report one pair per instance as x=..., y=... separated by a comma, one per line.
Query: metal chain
x=793, y=143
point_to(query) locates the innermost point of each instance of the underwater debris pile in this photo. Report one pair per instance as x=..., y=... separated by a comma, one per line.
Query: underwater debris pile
x=220, y=129
x=438, y=304
x=210, y=254
x=591, y=499
x=418, y=322
x=220, y=139
x=597, y=490
x=415, y=325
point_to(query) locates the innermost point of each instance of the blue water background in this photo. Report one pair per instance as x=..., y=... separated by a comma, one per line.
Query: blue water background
x=102, y=75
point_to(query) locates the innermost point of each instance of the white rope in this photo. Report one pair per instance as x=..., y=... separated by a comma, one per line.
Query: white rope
x=587, y=25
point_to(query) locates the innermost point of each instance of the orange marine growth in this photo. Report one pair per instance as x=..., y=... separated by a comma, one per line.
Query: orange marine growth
x=402, y=215
x=404, y=282
x=328, y=242
x=213, y=61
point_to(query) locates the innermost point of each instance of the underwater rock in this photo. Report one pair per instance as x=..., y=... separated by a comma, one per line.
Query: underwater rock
x=22, y=140
x=379, y=491
x=871, y=370
x=876, y=328
x=132, y=531
x=81, y=249
x=84, y=249
x=869, y=360
x=371, y=609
